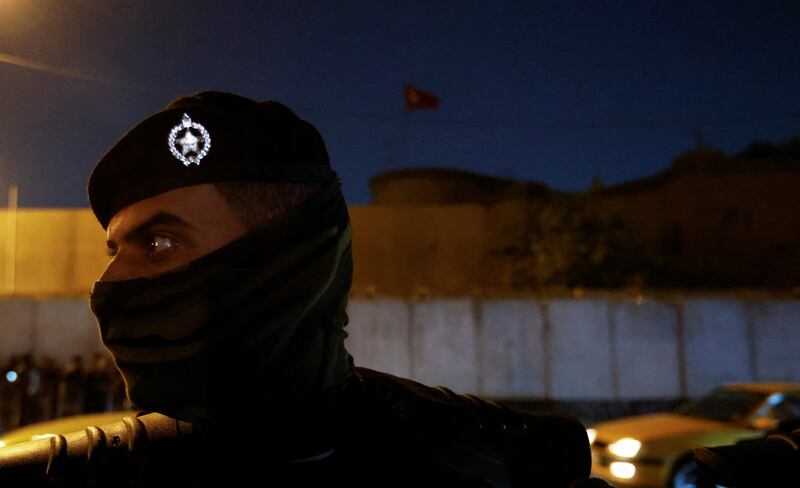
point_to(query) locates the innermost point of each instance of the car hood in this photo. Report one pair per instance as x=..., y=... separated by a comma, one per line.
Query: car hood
x=656, y=426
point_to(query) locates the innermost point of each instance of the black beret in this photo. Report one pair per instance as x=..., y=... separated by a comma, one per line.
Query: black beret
x=208, y=137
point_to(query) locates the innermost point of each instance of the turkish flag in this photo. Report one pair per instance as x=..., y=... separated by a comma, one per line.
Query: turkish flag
x=418, y=99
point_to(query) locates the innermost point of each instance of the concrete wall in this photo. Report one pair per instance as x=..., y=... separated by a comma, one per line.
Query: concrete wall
x=380, y=335
x=776, y=350
x=460, y=250
x=601, y=348
x=50, y=252
x=400, y=251
x=511, y=349
x=61, y=252
x=646, y=344
x=716, y=337
x=444, y=344
x=56, y=328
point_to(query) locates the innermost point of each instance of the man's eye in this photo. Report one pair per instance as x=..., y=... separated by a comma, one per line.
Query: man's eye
x=160, y=244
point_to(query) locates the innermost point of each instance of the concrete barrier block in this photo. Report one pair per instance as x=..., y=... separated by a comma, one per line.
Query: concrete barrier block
x=716, y=344
x=444, y=349
x=512, y=362
x=776, y=327
x=65, y=327
x=580, y=351
x=380, y=335
x=646, y=345
x=17, y=329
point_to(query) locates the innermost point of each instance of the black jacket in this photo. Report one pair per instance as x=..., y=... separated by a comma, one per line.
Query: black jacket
x=381, y=431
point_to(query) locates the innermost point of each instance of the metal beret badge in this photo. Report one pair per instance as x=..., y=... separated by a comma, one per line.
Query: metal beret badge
x=194, y=141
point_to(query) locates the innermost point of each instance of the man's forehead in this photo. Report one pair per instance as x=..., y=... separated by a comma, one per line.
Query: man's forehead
x=128, y=224
x=181, y=206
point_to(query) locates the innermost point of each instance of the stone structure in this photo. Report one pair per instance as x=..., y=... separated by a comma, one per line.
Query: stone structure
x=707, y=221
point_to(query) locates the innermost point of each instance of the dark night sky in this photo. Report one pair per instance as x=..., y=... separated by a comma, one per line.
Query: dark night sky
x=557, y=92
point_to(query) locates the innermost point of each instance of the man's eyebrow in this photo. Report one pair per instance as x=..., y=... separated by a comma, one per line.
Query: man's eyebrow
x=161, y=218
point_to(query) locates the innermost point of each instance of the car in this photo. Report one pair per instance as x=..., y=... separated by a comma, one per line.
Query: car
x=62, y=426
x=656, y=450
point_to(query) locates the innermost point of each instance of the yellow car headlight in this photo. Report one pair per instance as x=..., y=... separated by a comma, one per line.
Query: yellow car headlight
x=626, y=447
x=621, y=470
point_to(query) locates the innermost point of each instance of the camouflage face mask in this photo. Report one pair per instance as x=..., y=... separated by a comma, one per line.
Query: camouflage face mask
x=255, y=325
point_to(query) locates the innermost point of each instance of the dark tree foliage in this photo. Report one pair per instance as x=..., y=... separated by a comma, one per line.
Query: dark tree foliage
x=566, y=244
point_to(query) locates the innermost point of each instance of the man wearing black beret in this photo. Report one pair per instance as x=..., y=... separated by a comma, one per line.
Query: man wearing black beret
x=224, y=307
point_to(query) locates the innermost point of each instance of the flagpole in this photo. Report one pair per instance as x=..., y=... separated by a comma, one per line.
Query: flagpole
x=394, y=147
x=11, y=240
x=404, y=138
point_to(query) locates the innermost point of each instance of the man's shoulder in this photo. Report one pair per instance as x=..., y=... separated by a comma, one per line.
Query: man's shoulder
x=478, y=439
x=395, y=425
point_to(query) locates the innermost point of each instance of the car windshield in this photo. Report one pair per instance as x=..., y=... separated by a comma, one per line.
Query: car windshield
x=723, y=405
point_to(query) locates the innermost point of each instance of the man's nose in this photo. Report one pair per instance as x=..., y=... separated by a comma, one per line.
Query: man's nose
x=117, y=269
